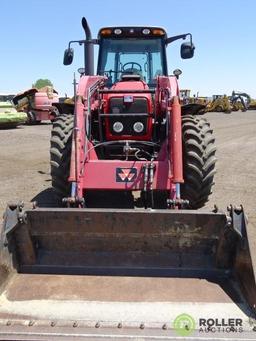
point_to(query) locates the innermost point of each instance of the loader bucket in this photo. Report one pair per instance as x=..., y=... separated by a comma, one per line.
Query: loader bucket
x=162, y=243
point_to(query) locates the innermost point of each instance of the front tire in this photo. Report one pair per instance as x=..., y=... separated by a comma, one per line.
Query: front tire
x=31, y=118
x=198, y=160
x=60, y=153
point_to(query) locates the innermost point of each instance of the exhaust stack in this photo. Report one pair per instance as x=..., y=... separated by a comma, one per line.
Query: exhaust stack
x=88, y=50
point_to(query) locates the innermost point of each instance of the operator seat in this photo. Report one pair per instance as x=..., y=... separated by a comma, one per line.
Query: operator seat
x=130, y=77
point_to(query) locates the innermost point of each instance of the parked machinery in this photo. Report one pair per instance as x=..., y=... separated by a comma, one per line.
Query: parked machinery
x=240, y=101
x=252, y=105
x=38, y=104
x=219, y=103
x=9, y=117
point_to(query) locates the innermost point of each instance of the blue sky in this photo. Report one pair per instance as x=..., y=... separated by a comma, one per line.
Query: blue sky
x=34, y=34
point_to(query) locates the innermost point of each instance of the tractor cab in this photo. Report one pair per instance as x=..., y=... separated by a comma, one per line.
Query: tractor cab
x=132, y=53
x=137, y=53
x=129, y=84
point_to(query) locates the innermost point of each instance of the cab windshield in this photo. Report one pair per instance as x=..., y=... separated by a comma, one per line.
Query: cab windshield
x=144, y=57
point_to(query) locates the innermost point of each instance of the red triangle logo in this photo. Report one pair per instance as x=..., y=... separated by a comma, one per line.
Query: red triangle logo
x=126, y=174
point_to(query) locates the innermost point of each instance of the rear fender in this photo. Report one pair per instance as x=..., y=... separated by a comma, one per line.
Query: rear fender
x=64, y=108
x=193, y=109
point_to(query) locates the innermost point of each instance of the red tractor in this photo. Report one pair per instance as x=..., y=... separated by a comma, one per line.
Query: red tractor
x=130, y=133
x=126, y=158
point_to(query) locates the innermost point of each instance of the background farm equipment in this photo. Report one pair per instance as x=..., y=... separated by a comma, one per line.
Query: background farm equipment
x=192, y=105
x=252, y=105
x=131, y=166
x=219, y=103
x=185, y=96
x=9, y=117
x=240, y=101
x=5, y=97
x=38, y=104
x=222, y=103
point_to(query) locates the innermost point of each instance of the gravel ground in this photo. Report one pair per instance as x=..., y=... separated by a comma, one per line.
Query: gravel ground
x=24, y=160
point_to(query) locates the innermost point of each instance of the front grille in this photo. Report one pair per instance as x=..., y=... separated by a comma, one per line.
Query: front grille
x=117, y=106
x=128, y=114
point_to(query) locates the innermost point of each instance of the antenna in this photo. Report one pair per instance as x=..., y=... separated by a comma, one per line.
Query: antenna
x=74, y=86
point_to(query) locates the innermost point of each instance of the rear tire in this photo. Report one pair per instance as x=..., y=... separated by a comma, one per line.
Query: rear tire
x=60, y=153
x=31, y=119
x=198, y=160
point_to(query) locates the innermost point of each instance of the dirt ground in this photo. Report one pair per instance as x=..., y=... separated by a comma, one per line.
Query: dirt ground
x=24, y=162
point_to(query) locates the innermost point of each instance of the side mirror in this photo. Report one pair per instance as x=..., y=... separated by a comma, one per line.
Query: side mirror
x=68, y=56
x=177, y=73
x=187, y=50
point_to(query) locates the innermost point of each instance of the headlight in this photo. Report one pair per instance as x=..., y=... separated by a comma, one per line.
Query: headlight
x=118, y=127
x=138, y=127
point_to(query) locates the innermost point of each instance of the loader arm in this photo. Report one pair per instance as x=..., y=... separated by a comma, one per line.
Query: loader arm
x=81, y=145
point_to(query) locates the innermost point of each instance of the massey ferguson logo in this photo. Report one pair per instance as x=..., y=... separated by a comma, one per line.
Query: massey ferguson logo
x=125, y=174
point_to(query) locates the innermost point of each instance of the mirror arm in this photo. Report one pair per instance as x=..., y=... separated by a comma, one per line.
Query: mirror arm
x=181, y=36
x=81, y=42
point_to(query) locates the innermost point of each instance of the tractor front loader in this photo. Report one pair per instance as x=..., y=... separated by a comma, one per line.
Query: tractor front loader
x=128, y=250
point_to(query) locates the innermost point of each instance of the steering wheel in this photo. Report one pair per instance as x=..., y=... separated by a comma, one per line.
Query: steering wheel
x=132, y=67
